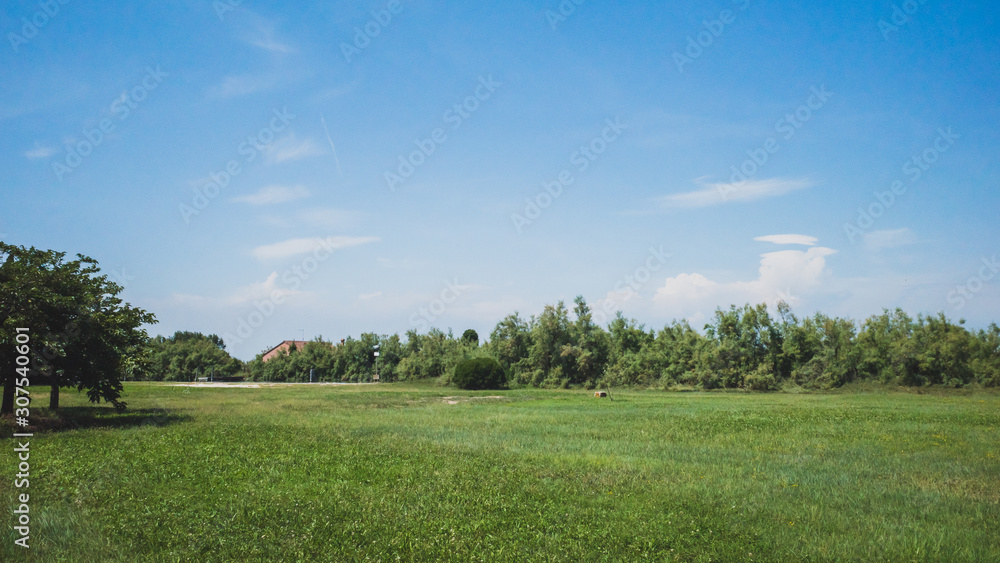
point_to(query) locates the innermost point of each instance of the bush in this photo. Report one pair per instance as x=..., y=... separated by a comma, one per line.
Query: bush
x=761, y=380
x=479, y=373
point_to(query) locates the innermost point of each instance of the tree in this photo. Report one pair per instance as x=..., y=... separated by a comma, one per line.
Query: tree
x=510, y=342
x=986, y=356
x=428, y=355
x=941, y=353
x=470, y=337
x=883, y=346
x=549, y=333
x=186, y=354
x=586, y=355
x=746, y=339
x=82, y=334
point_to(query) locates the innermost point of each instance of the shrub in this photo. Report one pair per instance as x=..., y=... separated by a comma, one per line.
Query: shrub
x=479, y=373
x=761, y=380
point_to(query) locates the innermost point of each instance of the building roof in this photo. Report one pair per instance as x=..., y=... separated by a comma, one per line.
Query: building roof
x=285, y=345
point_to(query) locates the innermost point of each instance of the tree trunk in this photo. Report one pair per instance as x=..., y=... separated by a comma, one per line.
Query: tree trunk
x=54, y=397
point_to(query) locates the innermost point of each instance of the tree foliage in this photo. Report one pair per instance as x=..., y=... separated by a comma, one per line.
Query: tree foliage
x=82, y=334
x=189, y=355
x=479, y=373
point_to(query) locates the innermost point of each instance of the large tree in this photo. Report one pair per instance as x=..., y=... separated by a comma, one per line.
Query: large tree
x=82, y=334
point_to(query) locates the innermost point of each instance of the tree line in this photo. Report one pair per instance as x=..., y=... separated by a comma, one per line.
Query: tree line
x=740, y=348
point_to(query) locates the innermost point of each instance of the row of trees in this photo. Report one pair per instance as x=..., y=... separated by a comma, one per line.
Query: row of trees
x=742, y=347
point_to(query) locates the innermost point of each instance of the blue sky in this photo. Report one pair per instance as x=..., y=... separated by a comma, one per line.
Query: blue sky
x=264, y=172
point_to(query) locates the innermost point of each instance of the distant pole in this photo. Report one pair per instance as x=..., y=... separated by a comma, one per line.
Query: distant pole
x=376, y=363
x=311, y=371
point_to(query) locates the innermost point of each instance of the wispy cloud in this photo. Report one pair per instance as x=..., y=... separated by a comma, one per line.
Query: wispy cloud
x=40, y=152
x=789, y=239
x=273, y=194
x=369, y=296
x=881, y=240
x=294, y=247
x=290, y=148
x=260, y=32
x=720, y=193
x=333, y=148
x=269, y=288
x=269, y=43
x=320, y=217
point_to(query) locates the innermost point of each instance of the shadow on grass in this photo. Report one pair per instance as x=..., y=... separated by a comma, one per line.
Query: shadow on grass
x=81, y=418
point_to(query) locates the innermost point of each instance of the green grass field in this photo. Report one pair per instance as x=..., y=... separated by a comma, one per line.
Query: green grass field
x=397, y=472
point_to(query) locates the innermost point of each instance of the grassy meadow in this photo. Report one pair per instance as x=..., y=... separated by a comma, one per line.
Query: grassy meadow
x=403, y=472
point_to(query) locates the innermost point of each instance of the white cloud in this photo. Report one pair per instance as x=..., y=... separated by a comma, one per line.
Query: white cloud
x=274, y=194
x=369, y=296
x=881, y=240
x=40, y=152
x=789, y=239
x=782, y=275
x=262, y=290
x=290, y=148
x=269, y=43
x=719, y=193
x=294, y=247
